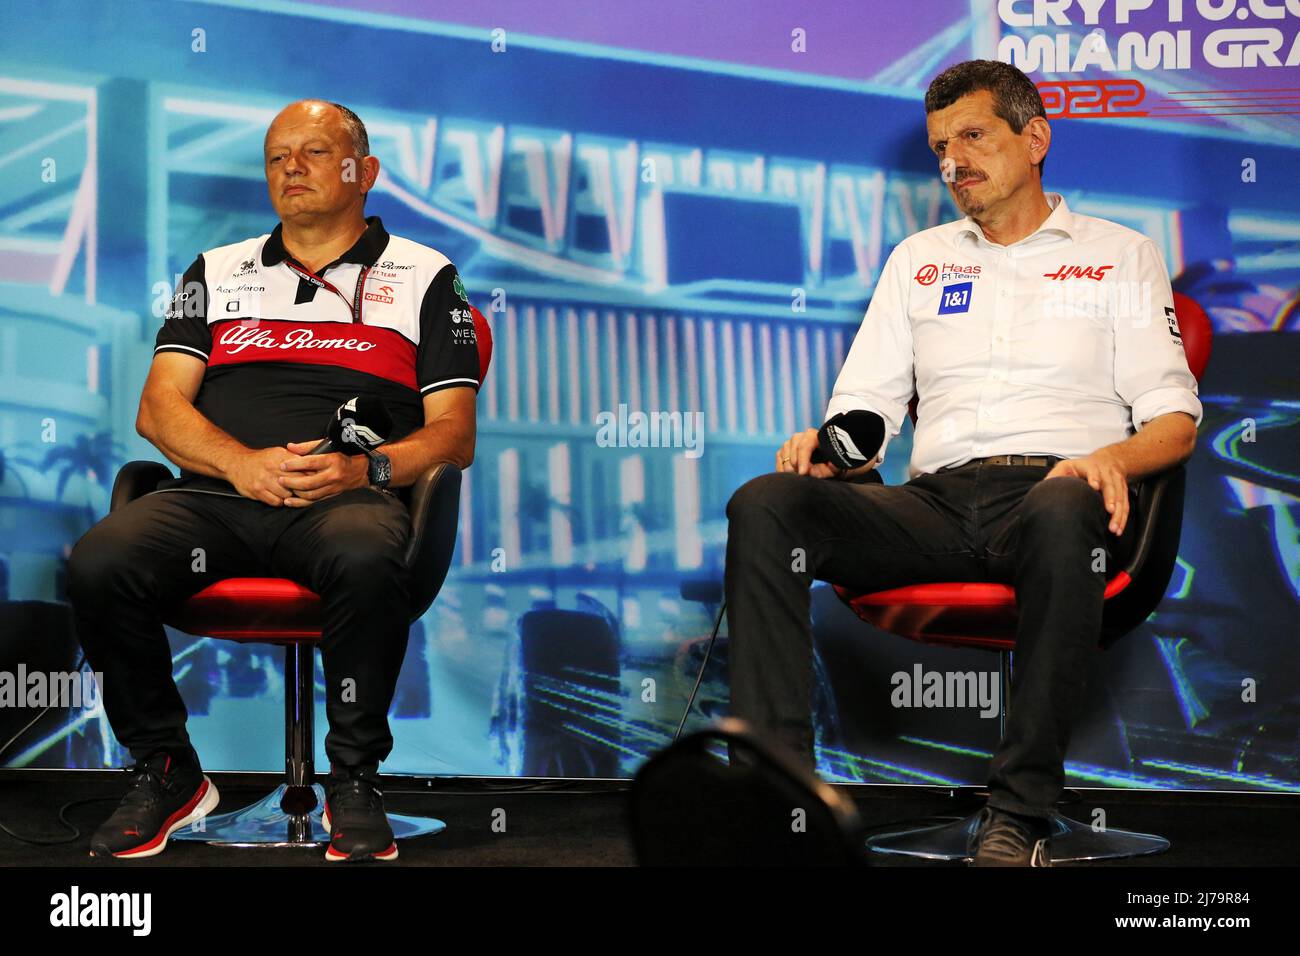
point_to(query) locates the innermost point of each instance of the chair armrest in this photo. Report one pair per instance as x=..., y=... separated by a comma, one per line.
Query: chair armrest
x=434, y=505
x=1159, y=513
x=137, y=478
x=1154, y=500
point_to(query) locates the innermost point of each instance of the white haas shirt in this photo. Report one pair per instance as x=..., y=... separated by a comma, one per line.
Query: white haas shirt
x=1058, y=344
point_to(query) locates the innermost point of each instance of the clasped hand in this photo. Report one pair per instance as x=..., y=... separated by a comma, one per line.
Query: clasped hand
x=290, y=476
x=310, y=478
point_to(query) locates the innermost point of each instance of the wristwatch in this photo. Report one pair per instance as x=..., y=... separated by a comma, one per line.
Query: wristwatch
x=380, y=470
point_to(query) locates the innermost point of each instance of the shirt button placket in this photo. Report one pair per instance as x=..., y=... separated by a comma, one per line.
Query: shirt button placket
x=1002, y=323
x=998, y=347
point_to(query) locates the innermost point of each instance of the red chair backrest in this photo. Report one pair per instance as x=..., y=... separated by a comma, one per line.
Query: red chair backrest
x=1196, y=331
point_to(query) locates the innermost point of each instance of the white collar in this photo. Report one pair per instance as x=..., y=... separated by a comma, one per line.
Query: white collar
x=1059, y=220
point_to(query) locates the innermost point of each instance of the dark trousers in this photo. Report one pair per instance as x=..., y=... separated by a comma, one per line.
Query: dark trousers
x=978, y=522
x=349, y=549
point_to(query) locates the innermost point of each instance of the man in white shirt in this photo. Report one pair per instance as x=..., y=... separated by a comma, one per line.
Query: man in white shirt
x=1050, y=375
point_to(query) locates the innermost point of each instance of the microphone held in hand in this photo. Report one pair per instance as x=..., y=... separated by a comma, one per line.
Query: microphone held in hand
x=850, y=439
x=358, y=425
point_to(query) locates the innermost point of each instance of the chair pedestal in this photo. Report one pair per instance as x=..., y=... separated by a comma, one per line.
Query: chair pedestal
x=267, y=822
x=1070, y=842
x=291, y=814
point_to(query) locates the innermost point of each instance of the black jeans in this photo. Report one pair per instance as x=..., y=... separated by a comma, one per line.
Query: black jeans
x=350, y=548
x=978, y=522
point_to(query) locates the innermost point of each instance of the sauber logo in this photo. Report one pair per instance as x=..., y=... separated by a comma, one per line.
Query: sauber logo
x=927, y=274
x=1078, y=272
x=383, y=294
x=242, y=337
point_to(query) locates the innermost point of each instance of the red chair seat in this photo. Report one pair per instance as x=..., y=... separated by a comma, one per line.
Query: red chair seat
x=252, y=609
x=964, y=614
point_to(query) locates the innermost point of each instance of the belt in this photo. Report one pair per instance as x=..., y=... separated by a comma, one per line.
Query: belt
x=1040, y=460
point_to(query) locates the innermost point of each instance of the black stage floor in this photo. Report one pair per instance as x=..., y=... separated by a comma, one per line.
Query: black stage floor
x=575, y=823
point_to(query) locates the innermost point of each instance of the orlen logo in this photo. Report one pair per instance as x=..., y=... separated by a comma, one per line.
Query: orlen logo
x=1082, y=99
x=927, y=274
x=383, y=294
x=1078, y=272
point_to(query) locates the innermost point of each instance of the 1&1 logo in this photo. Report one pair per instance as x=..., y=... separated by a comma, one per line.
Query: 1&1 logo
x=955, y=298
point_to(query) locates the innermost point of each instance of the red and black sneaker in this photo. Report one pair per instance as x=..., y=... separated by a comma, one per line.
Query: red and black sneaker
x=165, y=794
x=354, y=817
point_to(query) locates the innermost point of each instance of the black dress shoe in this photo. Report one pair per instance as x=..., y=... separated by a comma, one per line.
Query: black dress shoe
x=1008, y=839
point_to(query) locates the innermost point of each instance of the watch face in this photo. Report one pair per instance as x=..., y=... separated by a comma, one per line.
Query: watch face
x=381, y=470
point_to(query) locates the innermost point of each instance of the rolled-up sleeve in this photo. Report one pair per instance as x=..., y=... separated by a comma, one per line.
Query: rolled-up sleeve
x=877, y=374
x=1151, y=372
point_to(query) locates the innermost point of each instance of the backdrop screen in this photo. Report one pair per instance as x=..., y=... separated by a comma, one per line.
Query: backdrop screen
x=675, y=217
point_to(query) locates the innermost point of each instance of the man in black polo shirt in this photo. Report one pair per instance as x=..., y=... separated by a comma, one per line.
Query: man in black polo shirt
x=264, y=340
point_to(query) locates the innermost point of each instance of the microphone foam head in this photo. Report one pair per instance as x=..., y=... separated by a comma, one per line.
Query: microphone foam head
x=848, y=453
x=363, y=420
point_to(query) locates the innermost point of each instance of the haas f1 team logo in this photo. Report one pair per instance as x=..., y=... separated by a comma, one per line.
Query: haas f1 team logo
x=1078, y=272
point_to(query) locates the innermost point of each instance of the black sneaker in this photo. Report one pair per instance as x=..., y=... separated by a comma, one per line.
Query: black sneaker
x=165, y=794
x=1009, y=839
x=354, y=817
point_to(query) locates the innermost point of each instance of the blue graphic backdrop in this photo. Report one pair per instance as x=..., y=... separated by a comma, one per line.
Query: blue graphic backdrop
x=649, y=235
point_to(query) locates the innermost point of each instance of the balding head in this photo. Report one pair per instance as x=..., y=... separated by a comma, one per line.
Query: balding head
x=317, y=161
x=318, y=111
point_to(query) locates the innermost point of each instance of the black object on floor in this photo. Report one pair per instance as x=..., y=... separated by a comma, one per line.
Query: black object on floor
x=692, y=808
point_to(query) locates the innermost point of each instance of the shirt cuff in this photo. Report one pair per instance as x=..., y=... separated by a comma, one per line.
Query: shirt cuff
x=840, y=404
x=1161, y=401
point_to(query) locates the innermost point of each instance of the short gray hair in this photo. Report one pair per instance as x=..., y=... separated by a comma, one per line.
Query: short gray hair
x=1015, y=98
x=356, y=130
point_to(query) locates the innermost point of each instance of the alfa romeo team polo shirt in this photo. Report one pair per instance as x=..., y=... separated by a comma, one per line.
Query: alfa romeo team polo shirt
x=1054, y=345
x=285, y=347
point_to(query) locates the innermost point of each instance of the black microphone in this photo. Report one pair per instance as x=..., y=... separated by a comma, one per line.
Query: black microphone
x=356, y=426
x=849, y=440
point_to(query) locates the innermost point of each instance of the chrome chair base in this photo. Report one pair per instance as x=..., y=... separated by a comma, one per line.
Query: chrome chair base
x=1070, y=842
x=283, y=818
